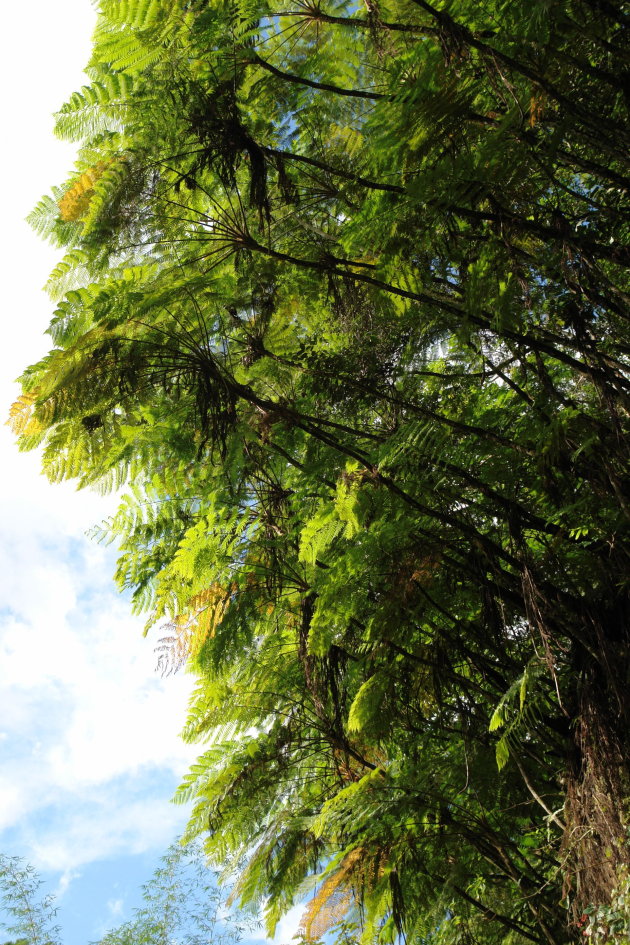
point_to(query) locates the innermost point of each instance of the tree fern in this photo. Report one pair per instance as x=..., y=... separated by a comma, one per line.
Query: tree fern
x=343, y=306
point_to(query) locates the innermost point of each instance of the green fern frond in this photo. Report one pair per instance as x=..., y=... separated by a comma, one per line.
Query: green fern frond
x=131, y=35
x=45, y=219
x=136, y=14
x=319, y=534
x=519, y=709
x=95, y=108
x=71, y=272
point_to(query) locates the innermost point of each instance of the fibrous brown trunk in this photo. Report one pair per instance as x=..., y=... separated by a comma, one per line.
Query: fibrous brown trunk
x=595, y=847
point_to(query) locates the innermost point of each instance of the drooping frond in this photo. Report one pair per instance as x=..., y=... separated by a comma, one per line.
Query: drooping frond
x=132, y=35
x=334, y=898
x=70, y=273
x=189, y=631
x=21, y=414
x=95, y=109
x=75, y=202
x=45, y=220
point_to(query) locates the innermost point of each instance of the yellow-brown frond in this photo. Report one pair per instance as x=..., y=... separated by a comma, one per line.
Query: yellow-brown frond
x=190, y=629
x=207, y=610
x=75, y=202
x=334, y=898
x=21, y=419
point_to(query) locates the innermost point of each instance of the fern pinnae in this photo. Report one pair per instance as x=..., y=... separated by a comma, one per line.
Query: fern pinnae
x=95, y=109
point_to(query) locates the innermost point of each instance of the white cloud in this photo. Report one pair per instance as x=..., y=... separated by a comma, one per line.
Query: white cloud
x=81, y=704
x=104, y=828
x=288, y=926
x=115, y=907
x=65, y=881
x=11, y=806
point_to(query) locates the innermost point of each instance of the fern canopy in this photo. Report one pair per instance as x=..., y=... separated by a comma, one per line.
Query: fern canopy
x=343, y=307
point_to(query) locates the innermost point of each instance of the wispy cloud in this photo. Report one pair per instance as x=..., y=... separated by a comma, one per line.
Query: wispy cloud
x=115, y=907
x=65, y=881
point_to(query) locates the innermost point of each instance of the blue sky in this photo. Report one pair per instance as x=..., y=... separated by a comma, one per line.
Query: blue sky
x=89, y=746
